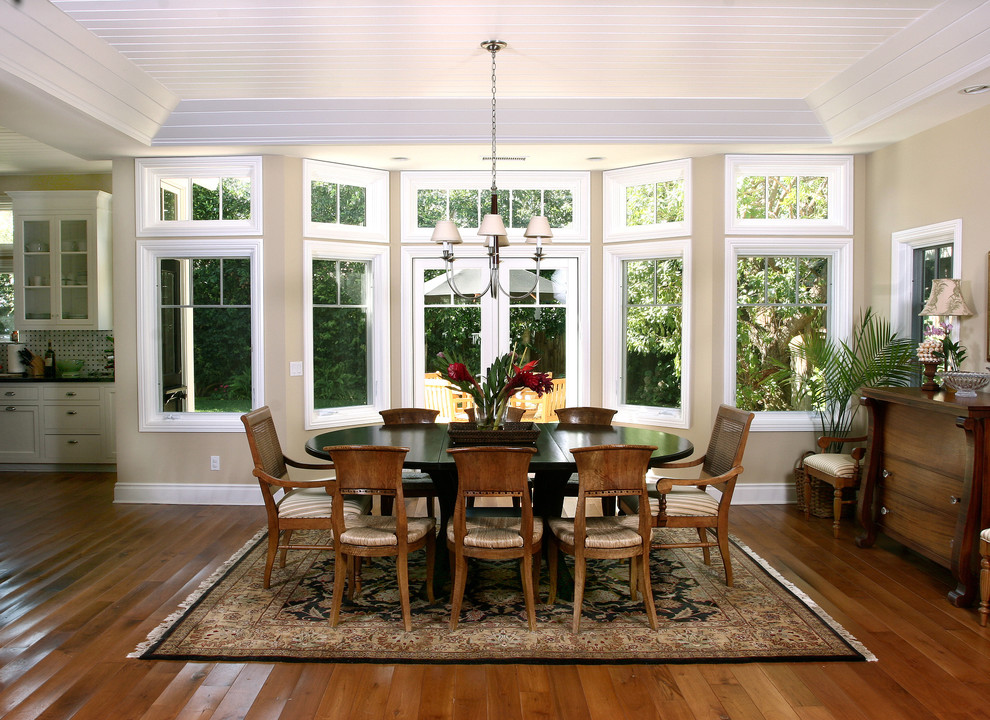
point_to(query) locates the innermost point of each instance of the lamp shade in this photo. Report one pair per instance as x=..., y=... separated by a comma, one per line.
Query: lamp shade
x=446, y=232
x=492, y=226
x=946, y=299
x=538, y=229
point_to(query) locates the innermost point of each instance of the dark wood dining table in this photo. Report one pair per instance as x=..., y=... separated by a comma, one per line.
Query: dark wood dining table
x=552, y=465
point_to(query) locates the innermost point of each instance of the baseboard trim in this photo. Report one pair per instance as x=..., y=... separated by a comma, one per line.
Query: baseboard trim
x=186, y=494
x=206, y=494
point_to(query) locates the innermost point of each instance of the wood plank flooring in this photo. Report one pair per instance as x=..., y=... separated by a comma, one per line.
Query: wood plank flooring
x=82, y=581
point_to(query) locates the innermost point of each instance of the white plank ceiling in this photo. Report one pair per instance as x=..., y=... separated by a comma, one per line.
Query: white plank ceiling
x=599, y=78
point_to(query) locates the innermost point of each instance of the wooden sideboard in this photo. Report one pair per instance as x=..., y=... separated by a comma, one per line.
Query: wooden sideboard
x=925, y=482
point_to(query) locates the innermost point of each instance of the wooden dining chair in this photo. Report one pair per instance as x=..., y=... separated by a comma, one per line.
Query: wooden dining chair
x=607, y=471
x=415, y=483
x=494, y=472
x=586, y=415
x=686, y=502
x=291, y=504
x=376, y=470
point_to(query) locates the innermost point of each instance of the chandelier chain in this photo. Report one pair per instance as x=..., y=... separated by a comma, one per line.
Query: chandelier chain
x=494, y=49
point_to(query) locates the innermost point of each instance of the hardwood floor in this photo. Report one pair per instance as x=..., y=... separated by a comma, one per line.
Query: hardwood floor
x=82, y=581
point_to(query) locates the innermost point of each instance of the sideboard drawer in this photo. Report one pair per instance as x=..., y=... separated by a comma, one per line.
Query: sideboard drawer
x=918, y=526
x=72, y=393
x=74, y=448
x=87, y=419
x=14, y=393
x=941, y=492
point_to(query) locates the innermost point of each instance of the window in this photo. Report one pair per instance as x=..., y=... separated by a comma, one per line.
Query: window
x=648, y=202
x=198, y=196
x=804, y=194
x=6, y=270
x=200, y=334
x=777, y=291
x=465, y=198
x=918, y=256
x=647, y=352
x=344, y=202
x=346, y=331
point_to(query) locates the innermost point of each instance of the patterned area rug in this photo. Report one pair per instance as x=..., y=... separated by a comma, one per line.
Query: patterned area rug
x=762, y=618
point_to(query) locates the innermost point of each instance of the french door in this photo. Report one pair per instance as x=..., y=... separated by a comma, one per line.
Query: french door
x=543, y=322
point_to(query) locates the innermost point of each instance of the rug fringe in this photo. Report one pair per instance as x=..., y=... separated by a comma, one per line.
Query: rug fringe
x=803, y=597
x=159, y=632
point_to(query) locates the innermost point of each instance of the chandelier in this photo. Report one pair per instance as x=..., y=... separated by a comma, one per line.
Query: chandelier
x=492, y=228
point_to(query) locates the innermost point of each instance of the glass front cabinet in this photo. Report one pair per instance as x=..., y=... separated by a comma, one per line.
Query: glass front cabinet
x=62, y=259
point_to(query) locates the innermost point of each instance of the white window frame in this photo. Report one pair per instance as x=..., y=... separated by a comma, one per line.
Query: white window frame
x=579, y=183
x=379, y=353
x=578, y=340
x=840, y=296
x=614, y=344
x=375, y=183
x=615, y=184
x=903, y=244
x=151, y=418
x=148, y=176
x=837, y=168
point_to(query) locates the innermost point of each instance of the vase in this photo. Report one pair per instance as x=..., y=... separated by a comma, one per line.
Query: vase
x=487, y=417
x=930, y=369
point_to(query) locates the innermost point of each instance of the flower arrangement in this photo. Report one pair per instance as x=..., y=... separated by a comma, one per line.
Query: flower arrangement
x=506, y=376
x=939, y=347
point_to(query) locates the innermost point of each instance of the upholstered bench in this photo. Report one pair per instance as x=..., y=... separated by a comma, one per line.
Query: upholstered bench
x=840, y=470
x=984, y=576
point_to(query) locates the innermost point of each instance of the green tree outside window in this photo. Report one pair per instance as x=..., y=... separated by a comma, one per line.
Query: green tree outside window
x=652, y=317
x=341, y=289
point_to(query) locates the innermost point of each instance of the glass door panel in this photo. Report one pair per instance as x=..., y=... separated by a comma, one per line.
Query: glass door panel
x=73, y=265
x=37, y=236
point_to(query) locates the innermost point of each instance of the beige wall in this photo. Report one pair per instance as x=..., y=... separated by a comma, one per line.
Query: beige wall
x=936, y=176
x=891, y=194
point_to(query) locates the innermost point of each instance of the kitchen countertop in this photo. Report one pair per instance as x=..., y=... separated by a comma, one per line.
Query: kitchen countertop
x=18, y=378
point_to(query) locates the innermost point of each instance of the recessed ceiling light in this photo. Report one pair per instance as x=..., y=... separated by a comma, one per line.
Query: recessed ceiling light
x=400, y=158
x=974, y=89
x=596, y=158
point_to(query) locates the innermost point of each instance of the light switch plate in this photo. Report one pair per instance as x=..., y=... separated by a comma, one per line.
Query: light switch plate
x=295, y=368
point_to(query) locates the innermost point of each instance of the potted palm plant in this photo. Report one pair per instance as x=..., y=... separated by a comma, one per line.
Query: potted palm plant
x=827, y=374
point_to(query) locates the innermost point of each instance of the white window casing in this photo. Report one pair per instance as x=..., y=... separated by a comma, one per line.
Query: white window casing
x=375, y=183
x=615, y=184
x=903, y=244
x=149, y=252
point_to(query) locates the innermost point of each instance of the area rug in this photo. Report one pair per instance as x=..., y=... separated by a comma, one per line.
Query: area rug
x=761, y=618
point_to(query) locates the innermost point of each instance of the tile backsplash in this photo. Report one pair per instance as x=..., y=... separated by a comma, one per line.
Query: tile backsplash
x=90, y=346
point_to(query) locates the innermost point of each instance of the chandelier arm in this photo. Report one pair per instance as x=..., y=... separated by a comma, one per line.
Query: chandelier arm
x=449, y=271
x=536, y=282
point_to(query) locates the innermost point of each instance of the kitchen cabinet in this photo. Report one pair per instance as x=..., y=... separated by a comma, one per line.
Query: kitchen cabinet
x=62, y=260
x=925, y=485
x=56, y=422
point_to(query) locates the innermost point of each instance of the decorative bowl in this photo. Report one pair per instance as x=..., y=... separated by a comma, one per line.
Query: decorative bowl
x=70, y=367
x=965, y=383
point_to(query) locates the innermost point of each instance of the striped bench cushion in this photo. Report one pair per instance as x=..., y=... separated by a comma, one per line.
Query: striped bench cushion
x=834, y=464
x=687, y=502
x=315, y=503
x=495, y=532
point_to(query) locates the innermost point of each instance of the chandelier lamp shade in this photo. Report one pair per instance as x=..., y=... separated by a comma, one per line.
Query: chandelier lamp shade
x=492, y=227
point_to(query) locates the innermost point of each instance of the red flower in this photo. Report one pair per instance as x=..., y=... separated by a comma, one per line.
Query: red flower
x=540, y=382
x=459, y=371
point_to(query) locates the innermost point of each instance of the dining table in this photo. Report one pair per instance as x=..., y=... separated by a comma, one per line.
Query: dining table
x=551, y=466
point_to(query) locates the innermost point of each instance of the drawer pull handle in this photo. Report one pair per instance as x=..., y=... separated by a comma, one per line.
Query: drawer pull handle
x=10, y=408
x=72, y=442
x=954, y=500
x=71, y=412
x=886, y=473
x=70, y=394
x=10, y=393
x=884, y=511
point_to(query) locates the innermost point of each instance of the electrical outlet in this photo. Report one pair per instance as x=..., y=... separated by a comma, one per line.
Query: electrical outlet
x=295, y=369
x=214, y=462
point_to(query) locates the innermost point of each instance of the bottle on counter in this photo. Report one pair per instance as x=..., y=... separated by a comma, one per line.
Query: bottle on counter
x=49, y=361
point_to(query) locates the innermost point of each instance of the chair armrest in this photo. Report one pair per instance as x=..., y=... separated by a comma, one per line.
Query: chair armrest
x=858, y=454
x=824, y=441
x=306, y=466
x=685, y=464
x=665, y=484
x=328, y=483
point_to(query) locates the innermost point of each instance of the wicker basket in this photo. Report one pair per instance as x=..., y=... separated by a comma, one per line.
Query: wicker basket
x=510, y=433
x=822, y=493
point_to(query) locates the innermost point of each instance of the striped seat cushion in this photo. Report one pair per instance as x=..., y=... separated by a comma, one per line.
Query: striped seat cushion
x=315, y=503
x=603, y=532
x=378, y=531
x=687, y=502
x=834, y=464
x=495, y=532
x=985, y=535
